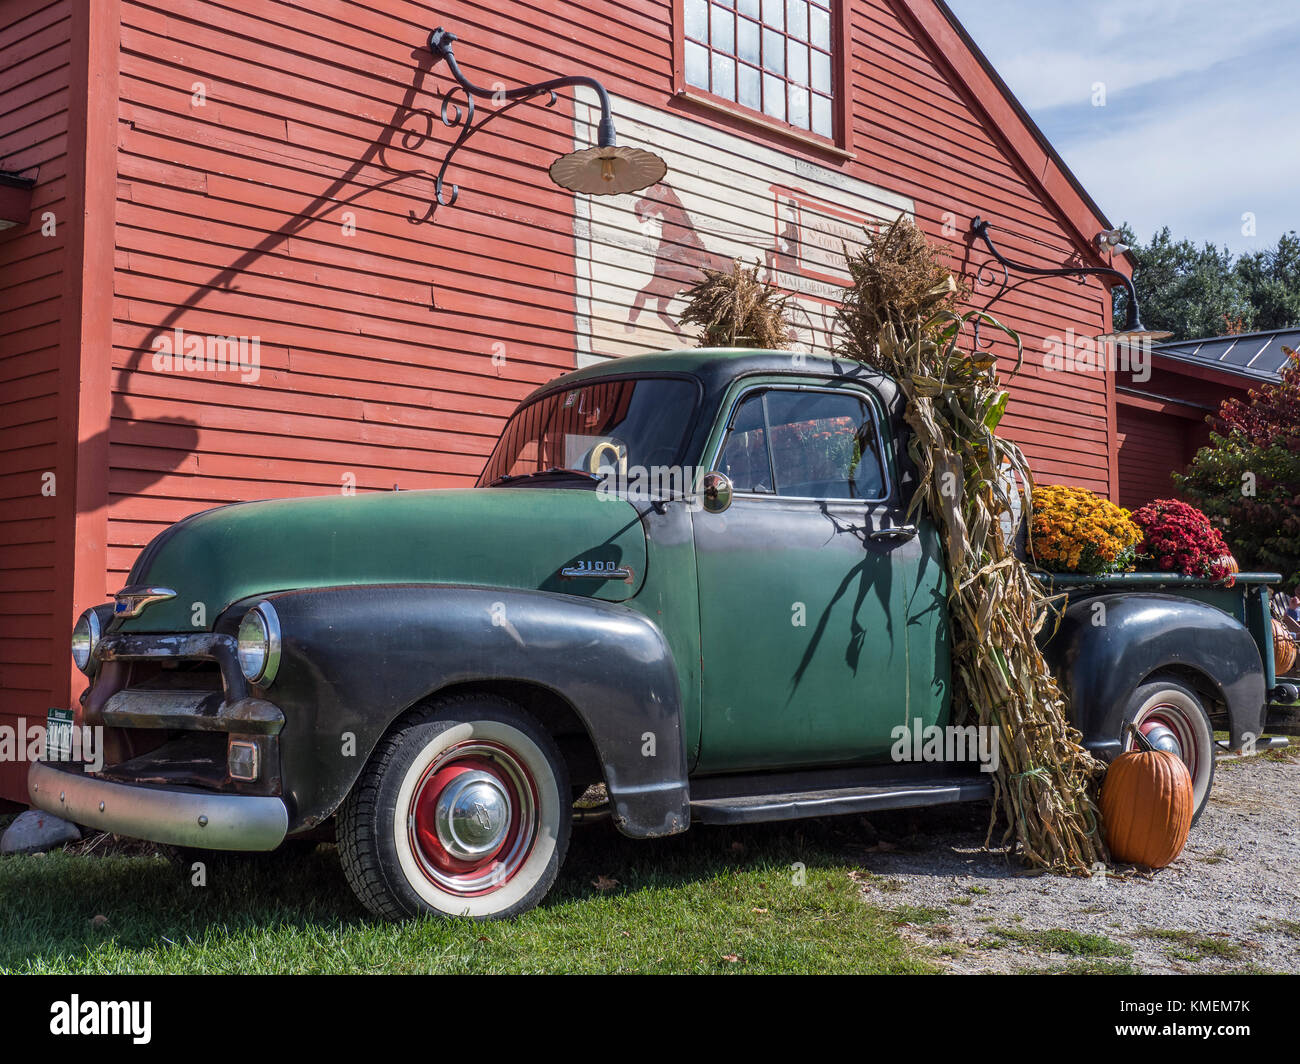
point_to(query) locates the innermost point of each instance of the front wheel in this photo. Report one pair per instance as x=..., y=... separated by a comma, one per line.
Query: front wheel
x=462, y=810
x=1173, y=718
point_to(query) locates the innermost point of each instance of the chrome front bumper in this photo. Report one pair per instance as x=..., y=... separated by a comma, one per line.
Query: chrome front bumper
x=181, y=818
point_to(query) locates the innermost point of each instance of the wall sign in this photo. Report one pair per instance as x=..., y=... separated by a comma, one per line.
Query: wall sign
x=724, y=196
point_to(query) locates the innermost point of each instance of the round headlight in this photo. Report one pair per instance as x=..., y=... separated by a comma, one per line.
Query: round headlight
x=85, y=637
x=259, y=644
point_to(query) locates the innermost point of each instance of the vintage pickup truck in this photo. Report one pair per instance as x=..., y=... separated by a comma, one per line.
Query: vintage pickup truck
x=687, y=576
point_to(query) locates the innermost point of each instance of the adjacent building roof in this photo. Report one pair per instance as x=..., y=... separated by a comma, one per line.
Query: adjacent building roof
x=1258, y=355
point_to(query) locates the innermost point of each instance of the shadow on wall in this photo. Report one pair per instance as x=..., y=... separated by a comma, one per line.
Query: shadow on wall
x=411, y=128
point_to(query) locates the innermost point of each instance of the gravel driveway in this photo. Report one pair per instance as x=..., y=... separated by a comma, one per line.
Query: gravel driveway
x=1231, y=902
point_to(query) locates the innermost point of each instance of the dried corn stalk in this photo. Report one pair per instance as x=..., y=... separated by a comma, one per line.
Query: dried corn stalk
x=1045, y=780
x=736, y=309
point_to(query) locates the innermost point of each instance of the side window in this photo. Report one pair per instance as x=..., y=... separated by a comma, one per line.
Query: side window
x=744, y=456
x=808, y=445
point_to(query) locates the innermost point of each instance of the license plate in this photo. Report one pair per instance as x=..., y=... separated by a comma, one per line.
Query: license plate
x=58, y=735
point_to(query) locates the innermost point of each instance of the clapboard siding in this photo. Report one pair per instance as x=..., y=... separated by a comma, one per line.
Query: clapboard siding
x=1157, y=437
x=916, y=124
x=1151, y=447
x=361, y=376
x=34, y=82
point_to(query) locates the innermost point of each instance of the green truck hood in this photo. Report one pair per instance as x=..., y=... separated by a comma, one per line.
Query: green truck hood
x=494, y=537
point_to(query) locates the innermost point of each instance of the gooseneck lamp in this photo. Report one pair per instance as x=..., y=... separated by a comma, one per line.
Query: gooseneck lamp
x=1133, y=327
x=607, y=169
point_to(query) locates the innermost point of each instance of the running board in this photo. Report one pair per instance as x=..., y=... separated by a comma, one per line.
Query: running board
x=837, y=801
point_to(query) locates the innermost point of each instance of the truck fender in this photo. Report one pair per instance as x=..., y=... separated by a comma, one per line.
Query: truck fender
x=354, y=659
x=1101, y=656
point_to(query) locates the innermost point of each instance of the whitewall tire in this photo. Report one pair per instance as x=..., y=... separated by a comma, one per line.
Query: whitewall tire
x=1173, y=717
x=462, y=810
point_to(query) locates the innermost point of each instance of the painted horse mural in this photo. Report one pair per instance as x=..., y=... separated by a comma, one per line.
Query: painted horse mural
x=679, y=255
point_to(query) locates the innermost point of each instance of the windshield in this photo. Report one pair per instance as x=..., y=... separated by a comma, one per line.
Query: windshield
x=638, y=422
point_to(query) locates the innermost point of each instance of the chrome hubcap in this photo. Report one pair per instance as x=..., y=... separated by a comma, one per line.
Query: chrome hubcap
x=472, y=815
x=472, y=819
x=1163, y=738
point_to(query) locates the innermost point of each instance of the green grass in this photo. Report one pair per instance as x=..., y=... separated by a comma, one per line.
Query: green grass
x=1057, y=940
x=689, y=904
x=1189, y=946
x=1290, y=928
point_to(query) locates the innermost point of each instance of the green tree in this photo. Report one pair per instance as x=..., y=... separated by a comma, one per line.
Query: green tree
x=1201, y=290
x=1272, y=282
x=1248, y=479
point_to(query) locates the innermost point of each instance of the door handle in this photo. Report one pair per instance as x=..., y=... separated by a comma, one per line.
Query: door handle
x=897, y=532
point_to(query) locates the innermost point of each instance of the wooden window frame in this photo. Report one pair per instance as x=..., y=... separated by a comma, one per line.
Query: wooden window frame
x=839, y=144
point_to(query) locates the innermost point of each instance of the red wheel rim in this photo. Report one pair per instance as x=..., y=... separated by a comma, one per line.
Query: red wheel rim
x=504, y=833
x=1173, y=718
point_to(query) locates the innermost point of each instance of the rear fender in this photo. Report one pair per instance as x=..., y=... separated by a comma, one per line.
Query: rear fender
x=1107, y=645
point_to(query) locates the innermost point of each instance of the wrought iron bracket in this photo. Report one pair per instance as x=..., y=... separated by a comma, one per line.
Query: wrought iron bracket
x=455, y=115
x=980, y=229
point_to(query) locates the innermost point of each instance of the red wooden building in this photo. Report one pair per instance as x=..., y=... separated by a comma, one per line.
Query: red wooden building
x=261, y=172
x=1163, y=418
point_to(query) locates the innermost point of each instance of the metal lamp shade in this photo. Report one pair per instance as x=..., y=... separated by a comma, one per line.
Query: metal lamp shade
x=608, y=171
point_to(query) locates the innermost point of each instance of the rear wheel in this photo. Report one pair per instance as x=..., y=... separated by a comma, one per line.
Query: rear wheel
x=1173, y=717
x=462, y=810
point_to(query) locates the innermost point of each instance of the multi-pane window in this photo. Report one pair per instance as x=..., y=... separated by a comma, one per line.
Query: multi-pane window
x=772, y=56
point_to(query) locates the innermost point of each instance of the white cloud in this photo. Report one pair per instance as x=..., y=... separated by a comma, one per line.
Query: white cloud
x=1050, y=55
x=1197, y=170
x=1201, y=123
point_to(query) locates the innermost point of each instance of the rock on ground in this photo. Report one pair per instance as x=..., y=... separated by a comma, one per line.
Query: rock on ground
x=36, y=831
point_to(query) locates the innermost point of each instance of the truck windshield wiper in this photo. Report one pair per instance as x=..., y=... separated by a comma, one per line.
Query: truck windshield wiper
x=554, y=471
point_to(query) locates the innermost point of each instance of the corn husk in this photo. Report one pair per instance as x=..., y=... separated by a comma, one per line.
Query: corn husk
x=733, y=308
x=1046, y=781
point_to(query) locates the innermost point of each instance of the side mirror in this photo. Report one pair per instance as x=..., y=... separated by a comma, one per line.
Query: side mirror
x=717, y=492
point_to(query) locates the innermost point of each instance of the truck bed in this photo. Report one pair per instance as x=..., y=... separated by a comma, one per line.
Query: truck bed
x=1247, y=599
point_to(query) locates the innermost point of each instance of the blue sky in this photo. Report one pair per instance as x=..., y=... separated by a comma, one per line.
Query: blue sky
x=1201, y=122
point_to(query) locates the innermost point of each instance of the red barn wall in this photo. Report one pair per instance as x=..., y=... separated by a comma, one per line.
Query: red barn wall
x=919, y=130
x=235, y=218
x=35, y=57
x=1164, y=420
x=377, y=348
x=1155, y=440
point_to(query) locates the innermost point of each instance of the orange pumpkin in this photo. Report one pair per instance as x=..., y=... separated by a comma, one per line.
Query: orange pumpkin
x=1234, y=569
x=1284, y=648
x=1146, y=805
